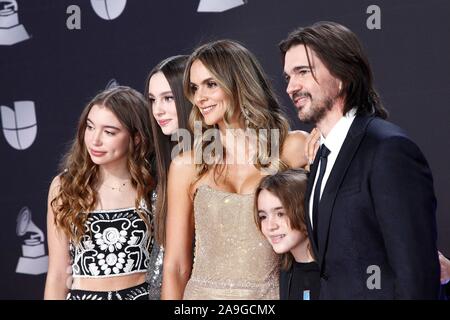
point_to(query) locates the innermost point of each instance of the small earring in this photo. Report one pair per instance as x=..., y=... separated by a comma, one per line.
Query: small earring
x=246, y=116
x=340, y=86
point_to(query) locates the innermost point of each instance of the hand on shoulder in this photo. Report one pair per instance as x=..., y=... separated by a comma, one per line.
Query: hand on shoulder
x=294, y=149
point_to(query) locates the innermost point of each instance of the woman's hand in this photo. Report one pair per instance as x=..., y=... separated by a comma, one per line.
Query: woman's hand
x=311, y=146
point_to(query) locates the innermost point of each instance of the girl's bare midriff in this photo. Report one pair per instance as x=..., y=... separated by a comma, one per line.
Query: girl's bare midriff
x=108, y=283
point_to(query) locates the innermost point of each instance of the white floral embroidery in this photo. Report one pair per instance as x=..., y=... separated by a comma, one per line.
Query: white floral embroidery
x=116, y=242
x=94, y=269
x=88, y=245
x=133, y=240
x=111, y=239
x=111, y=262
x=140, y=292
x=129, y=265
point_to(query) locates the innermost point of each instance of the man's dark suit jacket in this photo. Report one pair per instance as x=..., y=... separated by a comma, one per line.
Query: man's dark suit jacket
x=377, y=209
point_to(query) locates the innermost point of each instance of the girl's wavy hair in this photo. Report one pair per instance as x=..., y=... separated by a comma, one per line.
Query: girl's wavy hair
x=243, y=80
x=77, y=195
x=173, y=69
x=290, y=187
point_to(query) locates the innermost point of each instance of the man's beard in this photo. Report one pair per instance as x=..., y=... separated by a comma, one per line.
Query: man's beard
x=317, y=110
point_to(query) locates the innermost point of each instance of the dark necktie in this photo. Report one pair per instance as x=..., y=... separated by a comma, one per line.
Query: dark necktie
x=324, y=152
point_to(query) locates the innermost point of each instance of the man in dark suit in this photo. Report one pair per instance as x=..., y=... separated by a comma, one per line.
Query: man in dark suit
x=370, y=200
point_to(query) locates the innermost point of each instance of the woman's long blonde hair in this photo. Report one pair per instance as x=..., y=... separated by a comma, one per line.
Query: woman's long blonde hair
x=240, y=75
x=77, y=195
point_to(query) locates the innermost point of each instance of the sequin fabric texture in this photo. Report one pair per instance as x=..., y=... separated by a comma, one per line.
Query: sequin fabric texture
x=155, y=269
x=232, y=258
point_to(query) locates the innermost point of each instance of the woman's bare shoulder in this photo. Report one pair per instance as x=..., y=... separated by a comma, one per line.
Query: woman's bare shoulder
x=294, y=149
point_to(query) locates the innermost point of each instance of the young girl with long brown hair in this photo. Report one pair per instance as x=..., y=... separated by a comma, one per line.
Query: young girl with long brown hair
x=99, y=224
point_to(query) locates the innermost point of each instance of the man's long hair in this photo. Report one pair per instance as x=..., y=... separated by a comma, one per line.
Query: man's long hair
x=341, y=52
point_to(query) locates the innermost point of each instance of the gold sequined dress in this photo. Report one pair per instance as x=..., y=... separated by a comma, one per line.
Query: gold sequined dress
x=232, y=258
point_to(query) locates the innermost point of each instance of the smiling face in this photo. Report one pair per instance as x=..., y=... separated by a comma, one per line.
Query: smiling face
x=208, y=96
x=162, y=103
x=313, y=99
x=275, y=224
x=105, y=138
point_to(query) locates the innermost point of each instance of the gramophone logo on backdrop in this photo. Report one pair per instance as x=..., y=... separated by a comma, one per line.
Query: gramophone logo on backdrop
x=112, y=84
x=219, y=5
x=11, y=32
x=108, y=9
x=33, y=259
x=19, y=125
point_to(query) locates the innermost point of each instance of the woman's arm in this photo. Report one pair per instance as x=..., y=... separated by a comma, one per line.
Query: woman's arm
x=58, y=275
x=179, y=229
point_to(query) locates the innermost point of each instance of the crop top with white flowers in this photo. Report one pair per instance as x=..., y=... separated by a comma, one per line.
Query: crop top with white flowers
x=116, y=243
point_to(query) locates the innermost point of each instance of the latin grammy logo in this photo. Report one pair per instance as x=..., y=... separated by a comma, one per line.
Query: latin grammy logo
x=219, y=5
x=108, y=9
x=11, y=32
x=19, y=125
x=33, y=259
x=112, y=84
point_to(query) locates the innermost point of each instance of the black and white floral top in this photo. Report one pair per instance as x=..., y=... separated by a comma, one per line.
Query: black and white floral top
x=116, y=243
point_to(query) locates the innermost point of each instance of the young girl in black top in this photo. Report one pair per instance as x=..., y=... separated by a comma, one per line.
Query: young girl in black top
x=280, y=215
x=99, y=222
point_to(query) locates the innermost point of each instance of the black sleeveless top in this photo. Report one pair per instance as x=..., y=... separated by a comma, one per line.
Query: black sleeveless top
x=116, y=243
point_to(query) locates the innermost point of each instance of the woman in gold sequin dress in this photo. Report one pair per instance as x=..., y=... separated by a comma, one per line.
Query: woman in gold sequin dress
x=211, y=189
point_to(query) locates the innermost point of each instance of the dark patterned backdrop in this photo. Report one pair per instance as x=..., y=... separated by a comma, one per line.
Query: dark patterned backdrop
x=56, y=54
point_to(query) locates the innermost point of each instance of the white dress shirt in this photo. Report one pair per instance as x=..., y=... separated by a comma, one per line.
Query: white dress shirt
x=333, y=142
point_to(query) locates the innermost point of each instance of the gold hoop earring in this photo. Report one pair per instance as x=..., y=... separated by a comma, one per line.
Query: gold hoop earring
x=246, y=116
